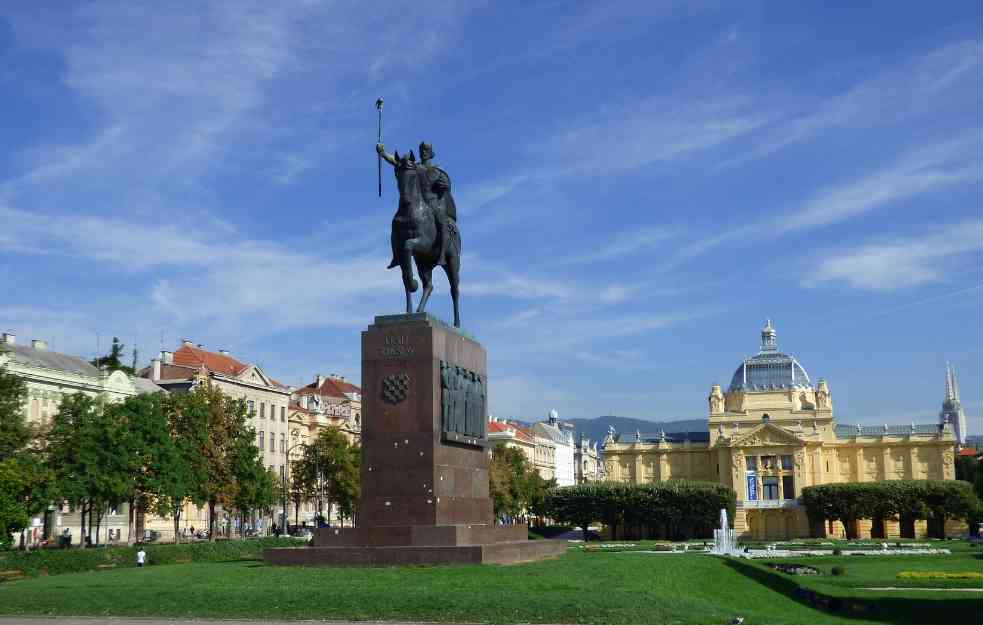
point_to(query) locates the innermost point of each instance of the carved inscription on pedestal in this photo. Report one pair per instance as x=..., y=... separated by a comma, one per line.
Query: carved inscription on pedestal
x=462, y=405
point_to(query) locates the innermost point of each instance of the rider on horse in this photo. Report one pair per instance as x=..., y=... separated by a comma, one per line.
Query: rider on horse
x=436, y=193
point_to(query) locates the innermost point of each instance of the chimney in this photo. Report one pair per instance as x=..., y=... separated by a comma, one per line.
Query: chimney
x=318, y=380
x=224, y=352
x=187, y=343
x=39, y=345
x=9, y=338
x=167, y=357
x=155, y=369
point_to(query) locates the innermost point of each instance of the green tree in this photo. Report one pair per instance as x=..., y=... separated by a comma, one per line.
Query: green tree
x=508, y=481
x=15, y=433
x=113, y=361
x=87, y=453
x=255, y=485
x=214, y=421
x=188, y=428
x=149, y=453
x=328, y=472
x=578, y=506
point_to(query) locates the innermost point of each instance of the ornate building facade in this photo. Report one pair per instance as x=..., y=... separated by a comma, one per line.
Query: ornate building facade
x=772, y=433
x=587, y=467
x=560, y=435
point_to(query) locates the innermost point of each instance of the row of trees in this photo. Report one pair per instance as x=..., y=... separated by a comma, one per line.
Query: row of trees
x=327, y=473
x=903, y=500
x=155, y=452
x=676, y=509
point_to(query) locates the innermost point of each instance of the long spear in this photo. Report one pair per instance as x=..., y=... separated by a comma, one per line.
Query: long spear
x=378, y=106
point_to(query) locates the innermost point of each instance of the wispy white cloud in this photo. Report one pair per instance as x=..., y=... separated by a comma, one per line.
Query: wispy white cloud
x=924, y=169
x=901, y=262
x=928, y=168
x=630, y=135
x=623, y=244
x=922, y=84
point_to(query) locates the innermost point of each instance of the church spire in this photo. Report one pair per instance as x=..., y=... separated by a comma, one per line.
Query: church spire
x=952, y=410
x=769, y=343
x=951, y=385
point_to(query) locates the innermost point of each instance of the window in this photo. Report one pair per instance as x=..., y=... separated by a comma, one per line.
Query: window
x=251, y=405
x=283, y=443
x=262, y=441
x=787, y=463
x=788, y=487
x=769, y=462
x=283, y=413
x=262, y=410
x=771, y=487
x=272, y=441
x=752, y=463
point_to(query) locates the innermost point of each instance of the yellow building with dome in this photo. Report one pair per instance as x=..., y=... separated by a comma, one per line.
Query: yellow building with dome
x=772, y=433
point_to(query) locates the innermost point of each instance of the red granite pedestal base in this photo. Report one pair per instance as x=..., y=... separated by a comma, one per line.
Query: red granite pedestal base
x=425, y=496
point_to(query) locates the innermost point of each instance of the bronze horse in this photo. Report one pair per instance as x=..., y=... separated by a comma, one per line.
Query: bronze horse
x=417, y=237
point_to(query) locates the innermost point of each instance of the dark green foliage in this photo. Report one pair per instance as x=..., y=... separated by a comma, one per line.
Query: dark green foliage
x=58, y=561
x=906, y=500
x=14, y=431
x=113, y=361
x=838, y=571
x=674, y=509
x=86, y=453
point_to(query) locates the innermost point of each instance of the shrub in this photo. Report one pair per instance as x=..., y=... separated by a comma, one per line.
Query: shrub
x=838, y=571
x=905, y=499
x=837, y=552
x=58, y=561
x=673, y=509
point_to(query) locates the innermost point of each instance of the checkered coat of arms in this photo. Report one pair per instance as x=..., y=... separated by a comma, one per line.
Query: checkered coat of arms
x=395, y=387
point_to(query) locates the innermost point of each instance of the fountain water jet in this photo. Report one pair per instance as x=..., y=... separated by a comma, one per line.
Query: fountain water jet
x=724, y=539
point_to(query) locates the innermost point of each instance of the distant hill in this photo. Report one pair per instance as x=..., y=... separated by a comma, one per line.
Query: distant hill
x=597, y=428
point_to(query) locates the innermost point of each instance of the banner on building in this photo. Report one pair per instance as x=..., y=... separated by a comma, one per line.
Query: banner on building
x=752, y=488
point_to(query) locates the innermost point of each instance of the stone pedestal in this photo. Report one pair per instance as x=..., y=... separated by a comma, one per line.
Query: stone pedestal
x=424, y=459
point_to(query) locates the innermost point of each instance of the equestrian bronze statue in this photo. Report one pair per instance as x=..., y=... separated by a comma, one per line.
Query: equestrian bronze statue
x=424, y=228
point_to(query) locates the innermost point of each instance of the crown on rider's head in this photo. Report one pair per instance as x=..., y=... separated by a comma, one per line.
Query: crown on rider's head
x=426, y=148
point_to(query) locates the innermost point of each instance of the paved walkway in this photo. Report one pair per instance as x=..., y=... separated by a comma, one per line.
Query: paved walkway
x=910, y=588
x=66, y=620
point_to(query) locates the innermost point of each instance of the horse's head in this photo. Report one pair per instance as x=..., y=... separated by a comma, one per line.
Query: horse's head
x=406, y=178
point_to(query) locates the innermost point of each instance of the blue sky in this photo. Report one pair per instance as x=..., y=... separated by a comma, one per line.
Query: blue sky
x=640, y=185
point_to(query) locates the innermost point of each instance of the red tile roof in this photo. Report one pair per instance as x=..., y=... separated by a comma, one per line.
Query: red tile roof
x=330, y=387
x=216, y=363
x=504, y=426
x=969, y=451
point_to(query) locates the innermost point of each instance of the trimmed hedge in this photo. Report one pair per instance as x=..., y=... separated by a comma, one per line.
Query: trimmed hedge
x=675, y=509
x=75, y=560
x=906, y=500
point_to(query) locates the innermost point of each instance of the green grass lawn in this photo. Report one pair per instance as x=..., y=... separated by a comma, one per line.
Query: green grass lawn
x=580, y=587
